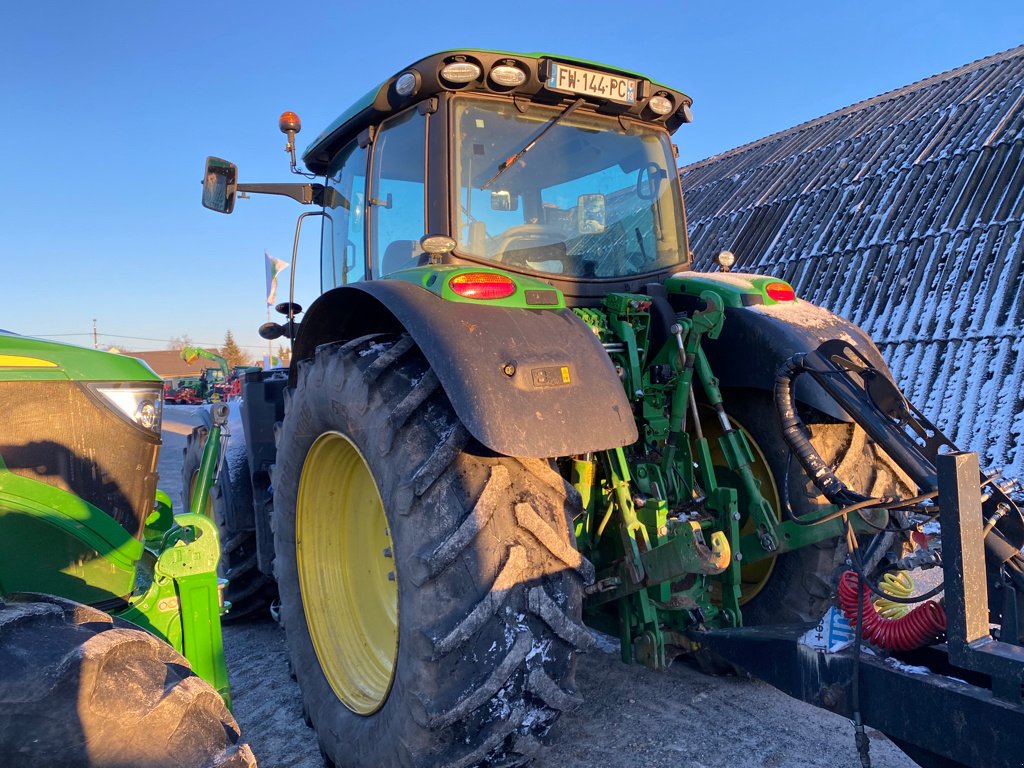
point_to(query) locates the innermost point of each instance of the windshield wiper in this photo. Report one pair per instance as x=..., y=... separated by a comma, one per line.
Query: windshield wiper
x=550, y=124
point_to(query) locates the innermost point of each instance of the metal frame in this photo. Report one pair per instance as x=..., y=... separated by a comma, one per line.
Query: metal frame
x=974, y=675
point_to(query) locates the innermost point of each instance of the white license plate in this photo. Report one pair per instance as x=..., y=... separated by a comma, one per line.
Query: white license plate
x=589, y=83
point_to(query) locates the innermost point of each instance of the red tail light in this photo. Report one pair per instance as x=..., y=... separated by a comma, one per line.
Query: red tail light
x=780, y=292
x=482, y=285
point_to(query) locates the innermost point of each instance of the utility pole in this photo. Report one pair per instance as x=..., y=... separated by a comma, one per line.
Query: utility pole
x=95, y=338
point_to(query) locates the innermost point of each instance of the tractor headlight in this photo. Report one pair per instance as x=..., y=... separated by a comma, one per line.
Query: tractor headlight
x=660, y=104
x=460, y=72
x=725, y=260
x=142, y=406
x=508, y=75
x=406, y=83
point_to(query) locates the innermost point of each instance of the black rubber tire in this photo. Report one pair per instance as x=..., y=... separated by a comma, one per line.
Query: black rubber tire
x=490, y=583
x=802, y=583
x=249, y=590
x=79, y=688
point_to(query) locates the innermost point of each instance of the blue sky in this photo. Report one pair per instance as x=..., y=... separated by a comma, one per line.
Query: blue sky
x=110, y=109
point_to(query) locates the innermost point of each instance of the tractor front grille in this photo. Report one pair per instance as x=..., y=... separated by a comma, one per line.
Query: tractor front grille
x=59, y=434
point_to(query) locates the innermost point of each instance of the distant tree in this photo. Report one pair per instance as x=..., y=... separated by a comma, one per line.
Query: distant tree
x=232, y=352
x=284, y=355
x=180, y=342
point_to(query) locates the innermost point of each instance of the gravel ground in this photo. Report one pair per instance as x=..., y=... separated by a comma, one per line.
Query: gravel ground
x=631, y=717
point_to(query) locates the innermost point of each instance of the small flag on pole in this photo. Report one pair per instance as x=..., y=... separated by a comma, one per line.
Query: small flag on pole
x=274, y=268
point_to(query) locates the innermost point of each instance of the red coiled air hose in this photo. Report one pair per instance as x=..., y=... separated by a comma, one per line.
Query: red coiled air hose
x=924, y=625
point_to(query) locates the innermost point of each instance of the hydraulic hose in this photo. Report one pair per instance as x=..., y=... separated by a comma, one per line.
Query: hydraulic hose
x=924, y=625
x=793, y=433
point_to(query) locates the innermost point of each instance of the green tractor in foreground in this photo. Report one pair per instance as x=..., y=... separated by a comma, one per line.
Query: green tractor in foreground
x=91, y=555
x=515, y=410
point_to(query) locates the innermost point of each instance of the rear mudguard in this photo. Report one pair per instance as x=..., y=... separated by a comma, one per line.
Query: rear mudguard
x=757, y=340
x=759, y=335
x=525, y=382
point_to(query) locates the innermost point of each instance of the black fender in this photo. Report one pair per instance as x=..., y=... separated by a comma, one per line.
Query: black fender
x=756, y=340
x=525, y=382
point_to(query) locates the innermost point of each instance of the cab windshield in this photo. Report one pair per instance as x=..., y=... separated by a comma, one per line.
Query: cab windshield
x=594, y=197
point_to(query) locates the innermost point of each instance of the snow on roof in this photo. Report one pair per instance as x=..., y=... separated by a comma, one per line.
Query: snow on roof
x=903, y=213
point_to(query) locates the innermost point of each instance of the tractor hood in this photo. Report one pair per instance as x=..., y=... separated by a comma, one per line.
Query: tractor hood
x=23, y=358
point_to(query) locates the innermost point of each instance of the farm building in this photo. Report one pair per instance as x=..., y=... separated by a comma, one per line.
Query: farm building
x=168, y=365
x=904, y=214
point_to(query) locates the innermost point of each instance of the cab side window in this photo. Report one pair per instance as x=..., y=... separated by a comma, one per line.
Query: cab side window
x=397, y=193
x=342, y=251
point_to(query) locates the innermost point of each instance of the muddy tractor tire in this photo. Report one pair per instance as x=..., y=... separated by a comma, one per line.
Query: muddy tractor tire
x=430, y=590
x=798, y=586
x=81, y=689
x=249, y=590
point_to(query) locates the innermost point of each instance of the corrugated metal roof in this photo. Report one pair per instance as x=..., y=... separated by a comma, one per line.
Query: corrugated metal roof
x=904, y=214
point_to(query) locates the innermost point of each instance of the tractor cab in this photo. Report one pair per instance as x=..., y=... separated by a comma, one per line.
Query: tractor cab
x=546, y=166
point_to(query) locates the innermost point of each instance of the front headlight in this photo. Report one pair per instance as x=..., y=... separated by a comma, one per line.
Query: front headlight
x=141, y=405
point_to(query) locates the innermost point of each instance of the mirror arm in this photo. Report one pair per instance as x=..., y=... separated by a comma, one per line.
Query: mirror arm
x=306, y=194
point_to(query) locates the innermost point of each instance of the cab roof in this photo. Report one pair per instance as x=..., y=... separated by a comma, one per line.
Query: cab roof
x=384, y=99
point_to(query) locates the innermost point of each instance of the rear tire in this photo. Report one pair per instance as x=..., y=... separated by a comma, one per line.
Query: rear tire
x=802, y=582
x=249, y=590
x=482, y=591
x=80, y=688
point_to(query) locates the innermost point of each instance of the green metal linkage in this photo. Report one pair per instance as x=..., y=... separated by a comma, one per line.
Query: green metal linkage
x=629, y=321
x=159, y=521
x=685, y=550
x=631, y=529
x=157, y=609
x=677, y=554
x=740, y=459
x=725, y=503
x=192, y=563
x=671, y=464
x=793, y=535
x=645, y=626
x=207, y=467
x=583, y=480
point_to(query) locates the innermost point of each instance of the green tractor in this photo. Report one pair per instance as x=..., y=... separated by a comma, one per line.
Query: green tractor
x=514, y=411
x=110, y=642
x=211, y=383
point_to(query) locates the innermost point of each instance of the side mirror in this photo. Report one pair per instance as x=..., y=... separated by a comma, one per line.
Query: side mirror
x=590, y=216
x=219, y=185
x=648, y=181
x=503, y=200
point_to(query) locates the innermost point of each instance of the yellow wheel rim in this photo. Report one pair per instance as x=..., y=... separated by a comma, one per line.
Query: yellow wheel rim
x=754, y=576
x=347, y=573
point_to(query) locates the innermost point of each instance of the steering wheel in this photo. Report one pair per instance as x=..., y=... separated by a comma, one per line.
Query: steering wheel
x=528, y=235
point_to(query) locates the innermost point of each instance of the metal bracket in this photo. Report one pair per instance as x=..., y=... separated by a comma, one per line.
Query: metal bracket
x=970, y=641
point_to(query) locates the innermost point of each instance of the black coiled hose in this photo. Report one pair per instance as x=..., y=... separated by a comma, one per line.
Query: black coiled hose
x=794, y=433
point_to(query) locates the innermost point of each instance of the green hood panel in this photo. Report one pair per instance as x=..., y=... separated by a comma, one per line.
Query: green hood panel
x=23, y=358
